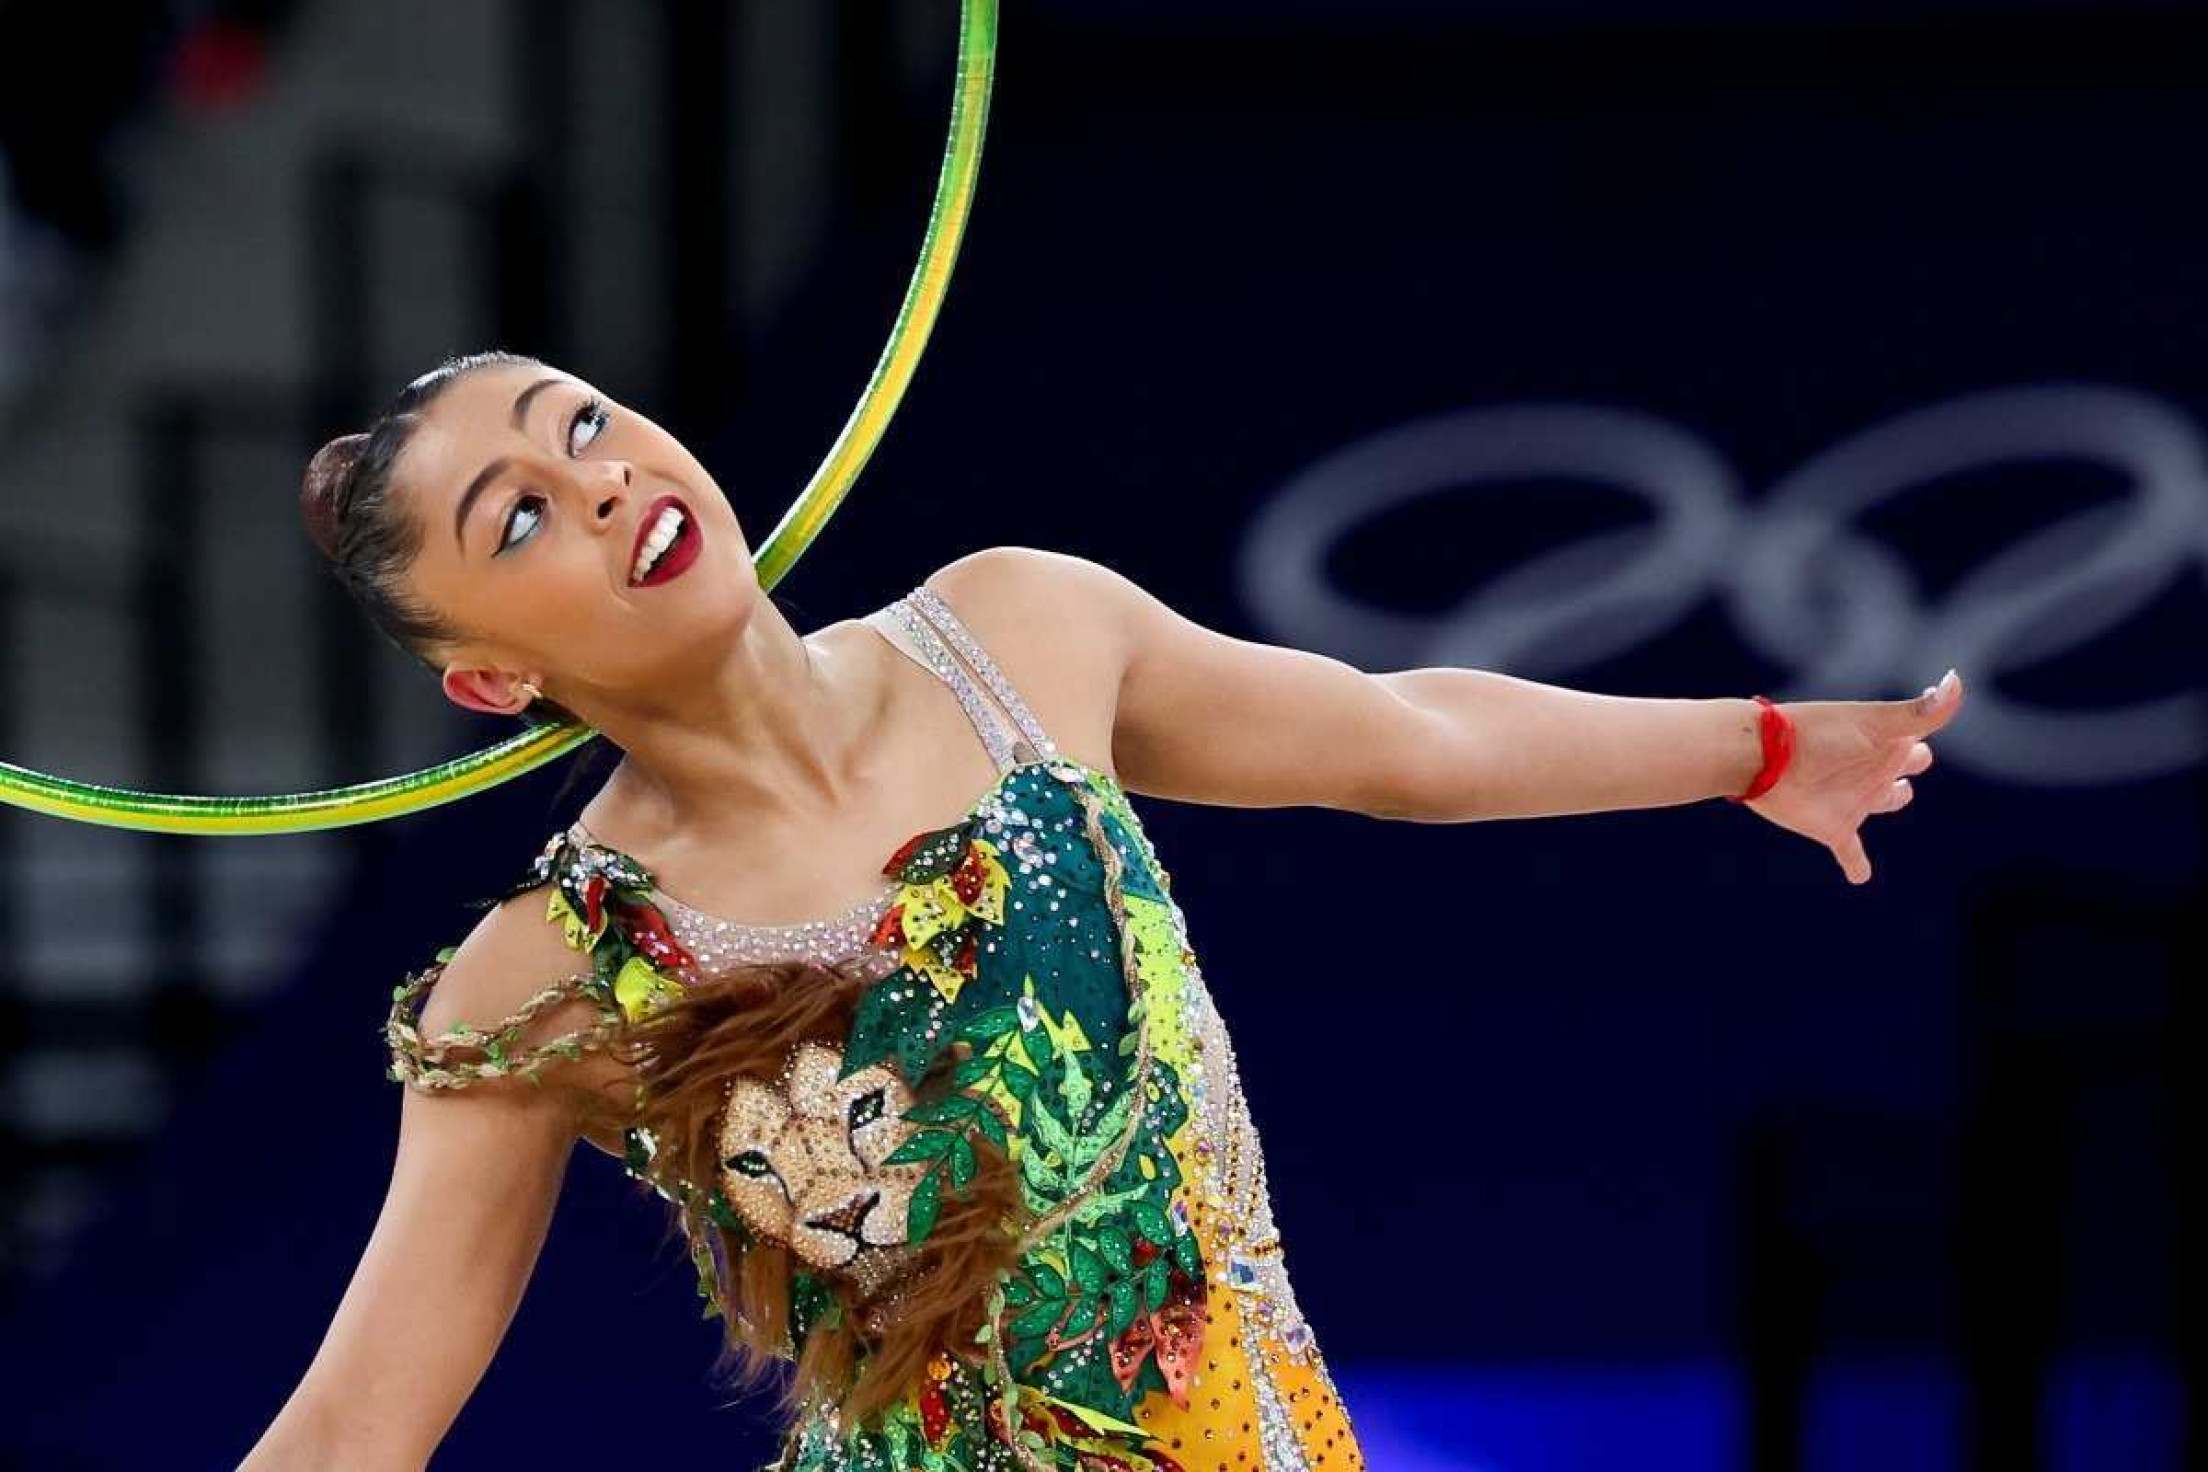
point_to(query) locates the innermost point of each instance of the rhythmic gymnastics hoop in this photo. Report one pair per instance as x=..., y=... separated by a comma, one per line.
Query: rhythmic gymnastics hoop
x=391, y=797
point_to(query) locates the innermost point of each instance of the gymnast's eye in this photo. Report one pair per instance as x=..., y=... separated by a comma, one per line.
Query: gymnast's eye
x=590, y=415
x=521, y=507
x=750, y=1163
x=866, y=1109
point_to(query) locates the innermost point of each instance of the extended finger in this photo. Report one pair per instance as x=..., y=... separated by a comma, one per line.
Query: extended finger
x=1854, y=863
x=1934, y=708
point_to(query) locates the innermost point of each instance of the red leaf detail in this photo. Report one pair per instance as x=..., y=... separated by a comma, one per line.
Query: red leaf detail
x=646, y=930
x=1179, y=1340
x=1130, y=1349
x=969, y=878
x=964, y=961
x=594, y=900
x=898, y=859
x=935, y=1414
x=890, y=929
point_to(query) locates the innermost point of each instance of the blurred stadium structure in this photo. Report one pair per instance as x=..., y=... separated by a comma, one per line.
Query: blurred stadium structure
x=1674, y=347
x=389, y=199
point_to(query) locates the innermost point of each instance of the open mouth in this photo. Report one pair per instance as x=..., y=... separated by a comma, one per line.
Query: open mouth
x=667, y=542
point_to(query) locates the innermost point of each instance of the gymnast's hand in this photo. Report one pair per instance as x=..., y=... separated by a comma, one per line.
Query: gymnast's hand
x=1853, y=758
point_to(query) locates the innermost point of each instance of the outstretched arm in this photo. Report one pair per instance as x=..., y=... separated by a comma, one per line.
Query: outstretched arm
x=1206, y=717
x=470, y=1200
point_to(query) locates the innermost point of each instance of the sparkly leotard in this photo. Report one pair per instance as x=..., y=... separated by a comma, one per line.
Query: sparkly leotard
x=1154, y=1325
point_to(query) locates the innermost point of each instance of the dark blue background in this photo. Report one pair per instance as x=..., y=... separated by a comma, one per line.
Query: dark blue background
x=1637, y=1139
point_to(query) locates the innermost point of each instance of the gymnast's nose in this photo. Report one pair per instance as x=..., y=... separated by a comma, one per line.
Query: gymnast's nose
x=609, y=483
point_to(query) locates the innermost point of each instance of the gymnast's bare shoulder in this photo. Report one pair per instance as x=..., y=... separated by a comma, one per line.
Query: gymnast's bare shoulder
x=474, y=1180
x=512, y=954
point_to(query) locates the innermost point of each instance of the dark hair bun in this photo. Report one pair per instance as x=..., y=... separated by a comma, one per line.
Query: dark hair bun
x=322, y=491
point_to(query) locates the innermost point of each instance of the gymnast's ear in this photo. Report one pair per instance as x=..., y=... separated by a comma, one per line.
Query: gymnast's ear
x=494, y=692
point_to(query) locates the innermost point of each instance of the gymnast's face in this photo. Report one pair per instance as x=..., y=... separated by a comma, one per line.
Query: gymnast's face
x=537, y=495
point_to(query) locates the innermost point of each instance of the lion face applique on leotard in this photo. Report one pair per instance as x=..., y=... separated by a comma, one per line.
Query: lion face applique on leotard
x=802, y=1161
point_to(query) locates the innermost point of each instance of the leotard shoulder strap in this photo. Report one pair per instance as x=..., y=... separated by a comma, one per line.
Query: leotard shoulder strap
x=923, y=627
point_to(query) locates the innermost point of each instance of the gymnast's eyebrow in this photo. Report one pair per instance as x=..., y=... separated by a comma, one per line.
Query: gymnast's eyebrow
x=497, y=467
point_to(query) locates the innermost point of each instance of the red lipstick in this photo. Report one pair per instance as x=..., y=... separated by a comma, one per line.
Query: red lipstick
x=680, y=553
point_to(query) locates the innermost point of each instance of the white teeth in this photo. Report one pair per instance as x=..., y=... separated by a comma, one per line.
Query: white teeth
x=662, y=536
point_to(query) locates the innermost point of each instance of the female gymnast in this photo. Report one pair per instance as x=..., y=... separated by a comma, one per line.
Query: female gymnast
x=947, y=1119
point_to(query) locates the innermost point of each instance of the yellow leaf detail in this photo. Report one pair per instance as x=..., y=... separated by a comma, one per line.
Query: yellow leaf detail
x=989, y=904
x=579, y=936
x=1067, y=1035
x=946, y=897
x=945, y=979
x=637, y=987
x=1095, y=1419
x=924, y=917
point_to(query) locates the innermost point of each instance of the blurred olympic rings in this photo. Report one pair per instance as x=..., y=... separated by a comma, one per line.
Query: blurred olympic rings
x=1808, y=588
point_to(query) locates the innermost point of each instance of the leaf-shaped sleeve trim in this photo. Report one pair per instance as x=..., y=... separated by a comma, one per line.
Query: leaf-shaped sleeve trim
x=490, y=1052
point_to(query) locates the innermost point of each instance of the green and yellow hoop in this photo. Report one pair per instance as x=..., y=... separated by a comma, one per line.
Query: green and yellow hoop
x=391, y=797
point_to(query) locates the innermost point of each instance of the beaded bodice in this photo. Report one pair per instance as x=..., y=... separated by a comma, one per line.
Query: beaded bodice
x=1030, y=956
x=921, y=626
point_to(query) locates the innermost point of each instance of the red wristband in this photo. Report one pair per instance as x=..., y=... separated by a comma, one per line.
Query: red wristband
x=1776, y=728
